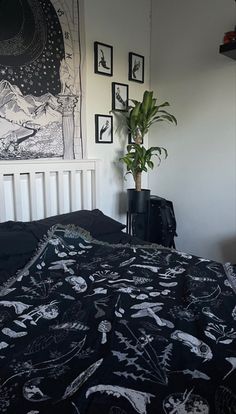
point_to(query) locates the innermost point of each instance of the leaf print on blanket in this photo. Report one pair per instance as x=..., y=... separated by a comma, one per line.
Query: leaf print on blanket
x=102, y=275
x=81, y=379
x=45, y=367
x=40, y=287
x=12, y=334
x=5, y=291
x=220, y=333
x=142, y=356
x=43, y=342
x=210, y=297
x=3, y=345
x=194, y=374
x=207, y=311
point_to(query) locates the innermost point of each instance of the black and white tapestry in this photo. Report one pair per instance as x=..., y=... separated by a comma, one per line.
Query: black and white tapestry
x=40, y=79
x=92, y=328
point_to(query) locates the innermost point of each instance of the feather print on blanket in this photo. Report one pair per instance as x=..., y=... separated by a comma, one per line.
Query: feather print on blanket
x=87, y=327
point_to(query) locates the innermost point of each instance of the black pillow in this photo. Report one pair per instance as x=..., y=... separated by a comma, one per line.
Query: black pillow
x=104, y=224
x=18, y=236
x=19, y=240
x=16, y=242
x=94, y=221
x=121, y=238
x=9, y=265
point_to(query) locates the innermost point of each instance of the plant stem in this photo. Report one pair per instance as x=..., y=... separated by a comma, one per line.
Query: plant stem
x=138, y=180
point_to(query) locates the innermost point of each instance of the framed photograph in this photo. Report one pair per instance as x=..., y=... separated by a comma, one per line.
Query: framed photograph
x=131, y=139
x=103, y=59
x=103, y=129
x=136, y=67
x=120, y=96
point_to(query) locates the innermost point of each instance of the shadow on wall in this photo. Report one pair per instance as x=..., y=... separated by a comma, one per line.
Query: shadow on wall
x=228, y=249
x=122, y=203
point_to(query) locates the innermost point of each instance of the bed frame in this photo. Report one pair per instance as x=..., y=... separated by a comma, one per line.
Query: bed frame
x=35, y=189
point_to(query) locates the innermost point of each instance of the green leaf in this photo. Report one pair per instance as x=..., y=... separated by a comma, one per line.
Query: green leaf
x=162, y=105
x=134, y=101
x=150, y=164
x=147, y=102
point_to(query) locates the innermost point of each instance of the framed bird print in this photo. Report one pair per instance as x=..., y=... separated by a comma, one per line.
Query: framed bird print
x=103, y=129
x=120, y=96
x=103, y=59
x=136, y=67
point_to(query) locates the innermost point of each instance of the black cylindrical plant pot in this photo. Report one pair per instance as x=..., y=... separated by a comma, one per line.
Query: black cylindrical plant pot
x=138, y=201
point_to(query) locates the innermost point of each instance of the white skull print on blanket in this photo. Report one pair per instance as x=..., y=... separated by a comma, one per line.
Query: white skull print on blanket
x=87, y=327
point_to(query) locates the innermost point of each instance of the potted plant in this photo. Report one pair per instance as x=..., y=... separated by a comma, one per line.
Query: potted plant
x=139, y=118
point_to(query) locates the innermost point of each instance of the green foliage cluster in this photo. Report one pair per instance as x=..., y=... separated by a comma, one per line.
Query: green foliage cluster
x=142, y=115
x=139, y=118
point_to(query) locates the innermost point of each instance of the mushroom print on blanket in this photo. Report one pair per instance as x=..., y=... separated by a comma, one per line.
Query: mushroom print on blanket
x=104, y=327
x=41, y=79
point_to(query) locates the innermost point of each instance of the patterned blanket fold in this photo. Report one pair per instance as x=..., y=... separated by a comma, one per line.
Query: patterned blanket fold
x=87, y=327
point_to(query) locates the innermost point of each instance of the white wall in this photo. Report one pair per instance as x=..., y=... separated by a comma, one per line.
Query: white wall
x=200, y=172
x=126, y=26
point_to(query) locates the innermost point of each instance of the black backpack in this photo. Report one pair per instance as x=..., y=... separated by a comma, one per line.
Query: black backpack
x=158, y=225
x=162, y=222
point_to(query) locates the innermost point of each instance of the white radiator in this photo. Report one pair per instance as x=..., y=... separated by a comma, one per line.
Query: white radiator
x=35, y=189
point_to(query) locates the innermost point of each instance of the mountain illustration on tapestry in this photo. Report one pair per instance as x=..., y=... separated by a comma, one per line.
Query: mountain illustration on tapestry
x=28, y=123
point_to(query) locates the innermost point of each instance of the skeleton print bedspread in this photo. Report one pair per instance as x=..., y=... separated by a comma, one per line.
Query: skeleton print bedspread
x=88, y=328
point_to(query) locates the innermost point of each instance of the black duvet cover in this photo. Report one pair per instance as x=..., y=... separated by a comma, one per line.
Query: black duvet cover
x=88, y=328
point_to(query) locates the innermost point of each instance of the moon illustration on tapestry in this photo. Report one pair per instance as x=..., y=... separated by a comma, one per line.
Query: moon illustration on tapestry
x=40, y=79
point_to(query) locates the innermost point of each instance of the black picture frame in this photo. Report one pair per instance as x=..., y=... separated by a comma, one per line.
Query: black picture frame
x=136, y=67
x=131, y=139
x=103, y=129
x=120, y=96
x=103, y=59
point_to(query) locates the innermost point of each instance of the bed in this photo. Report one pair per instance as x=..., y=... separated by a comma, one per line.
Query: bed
x=95, y=321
